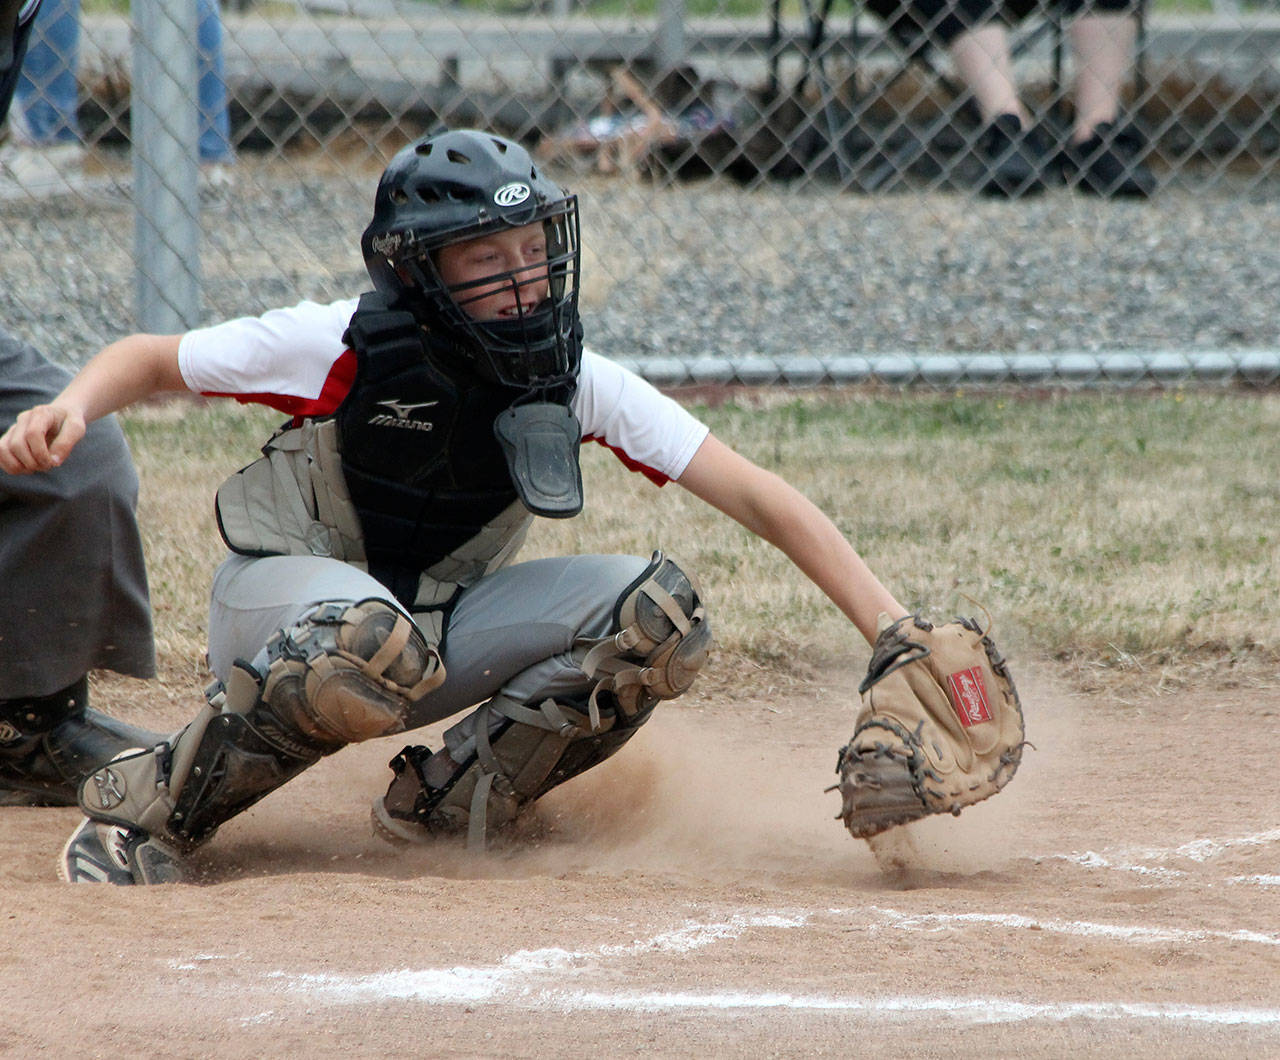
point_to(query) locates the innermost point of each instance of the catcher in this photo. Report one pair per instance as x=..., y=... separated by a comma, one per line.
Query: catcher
x=371, y=587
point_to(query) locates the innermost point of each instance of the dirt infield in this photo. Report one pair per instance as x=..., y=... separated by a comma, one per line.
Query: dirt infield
x=695, y=897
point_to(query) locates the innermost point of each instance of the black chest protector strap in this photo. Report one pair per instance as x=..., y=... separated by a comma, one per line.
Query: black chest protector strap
x=389, y=339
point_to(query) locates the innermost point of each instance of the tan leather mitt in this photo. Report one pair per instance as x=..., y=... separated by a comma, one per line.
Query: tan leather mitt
x=940, y=726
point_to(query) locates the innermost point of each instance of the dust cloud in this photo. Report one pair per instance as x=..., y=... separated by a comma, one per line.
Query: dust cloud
x=696, y=794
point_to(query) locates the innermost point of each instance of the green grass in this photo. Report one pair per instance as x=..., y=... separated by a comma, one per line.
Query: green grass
x=1128, y=530
x=1128, y=533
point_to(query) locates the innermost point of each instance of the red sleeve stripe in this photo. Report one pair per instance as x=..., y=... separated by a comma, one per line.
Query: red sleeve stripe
x=654, y=476
x=336, y=387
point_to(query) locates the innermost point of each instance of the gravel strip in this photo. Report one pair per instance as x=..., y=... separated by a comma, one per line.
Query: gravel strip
x=709, y=268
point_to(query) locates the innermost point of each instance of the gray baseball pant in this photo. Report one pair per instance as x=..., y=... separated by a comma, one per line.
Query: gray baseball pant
x=512, y=631
x=73, y=585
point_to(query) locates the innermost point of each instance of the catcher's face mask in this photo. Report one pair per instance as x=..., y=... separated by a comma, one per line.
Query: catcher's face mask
x=507, y=287
x=499, y=276
x=515, y=317
x=509, y=295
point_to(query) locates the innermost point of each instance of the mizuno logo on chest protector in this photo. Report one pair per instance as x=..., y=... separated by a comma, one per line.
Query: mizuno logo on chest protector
x=399, y=416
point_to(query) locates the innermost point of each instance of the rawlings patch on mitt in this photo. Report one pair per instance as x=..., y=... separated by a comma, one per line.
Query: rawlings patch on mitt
x=940, y=726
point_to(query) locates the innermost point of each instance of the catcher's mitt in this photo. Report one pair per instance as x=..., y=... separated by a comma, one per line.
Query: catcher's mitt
x=940, y=726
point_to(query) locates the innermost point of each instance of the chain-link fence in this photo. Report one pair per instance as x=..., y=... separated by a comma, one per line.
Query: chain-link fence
x=798, y=190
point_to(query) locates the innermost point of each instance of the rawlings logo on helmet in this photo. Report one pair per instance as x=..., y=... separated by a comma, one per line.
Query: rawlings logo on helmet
x=511, y=194
x=386, y=244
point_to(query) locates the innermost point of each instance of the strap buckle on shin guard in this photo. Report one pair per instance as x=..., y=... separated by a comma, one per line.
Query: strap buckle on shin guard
x=509, y=754
x=553, y=727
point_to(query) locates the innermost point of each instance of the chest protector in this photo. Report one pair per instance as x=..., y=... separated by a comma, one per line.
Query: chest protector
x=409, y=479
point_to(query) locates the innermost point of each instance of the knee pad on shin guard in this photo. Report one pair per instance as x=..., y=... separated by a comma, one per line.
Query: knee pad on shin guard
x=349, y=672
x=662, y=639
x=342, y=674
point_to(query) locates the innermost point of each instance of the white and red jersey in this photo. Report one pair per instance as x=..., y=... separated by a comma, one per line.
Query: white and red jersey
x=295, y=360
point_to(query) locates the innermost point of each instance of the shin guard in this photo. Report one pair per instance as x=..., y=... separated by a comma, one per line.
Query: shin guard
x=343, y=673
x=510, y=755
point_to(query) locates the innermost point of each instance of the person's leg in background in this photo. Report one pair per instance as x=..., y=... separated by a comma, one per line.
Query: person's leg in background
x=975, y=35
x=1016, y=159
x=983, y=62
x=47, y=94
x=215, y=122
x=1104, y=155
x=1102, y=44
x=46, y=152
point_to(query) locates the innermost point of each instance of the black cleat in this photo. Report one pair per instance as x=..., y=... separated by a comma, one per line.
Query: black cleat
x=1016, y=161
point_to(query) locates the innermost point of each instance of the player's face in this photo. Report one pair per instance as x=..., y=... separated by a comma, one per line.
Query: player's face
x=519, y=252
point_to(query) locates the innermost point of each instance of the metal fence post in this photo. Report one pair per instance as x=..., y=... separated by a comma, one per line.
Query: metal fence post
x=164, y=123
x=671, y=44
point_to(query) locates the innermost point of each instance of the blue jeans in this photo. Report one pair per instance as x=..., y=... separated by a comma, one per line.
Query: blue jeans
x=47, y=87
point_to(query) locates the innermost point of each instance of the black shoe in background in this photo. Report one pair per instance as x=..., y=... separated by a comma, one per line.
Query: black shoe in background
x=49, y=744
x=1016, y=160
x=1109, y=164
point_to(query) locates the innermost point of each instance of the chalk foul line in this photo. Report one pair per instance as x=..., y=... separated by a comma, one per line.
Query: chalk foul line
x=519, y=978
x=1197, y=851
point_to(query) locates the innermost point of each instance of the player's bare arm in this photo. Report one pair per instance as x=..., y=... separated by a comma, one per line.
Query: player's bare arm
x=776, y=511
x=124, y=372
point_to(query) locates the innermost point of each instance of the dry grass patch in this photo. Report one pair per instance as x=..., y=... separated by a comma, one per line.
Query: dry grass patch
x=1134, y=535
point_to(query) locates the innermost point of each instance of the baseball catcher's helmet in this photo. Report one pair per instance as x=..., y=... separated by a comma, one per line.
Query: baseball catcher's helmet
x=458, y=185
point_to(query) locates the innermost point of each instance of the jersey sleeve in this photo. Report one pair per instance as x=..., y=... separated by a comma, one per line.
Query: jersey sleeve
x=648, y=431
x=292, y=359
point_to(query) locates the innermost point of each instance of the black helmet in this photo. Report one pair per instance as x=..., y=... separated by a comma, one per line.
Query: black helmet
x=459, y=185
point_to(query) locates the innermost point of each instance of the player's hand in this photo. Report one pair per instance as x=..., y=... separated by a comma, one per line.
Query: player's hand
x=40, y=439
